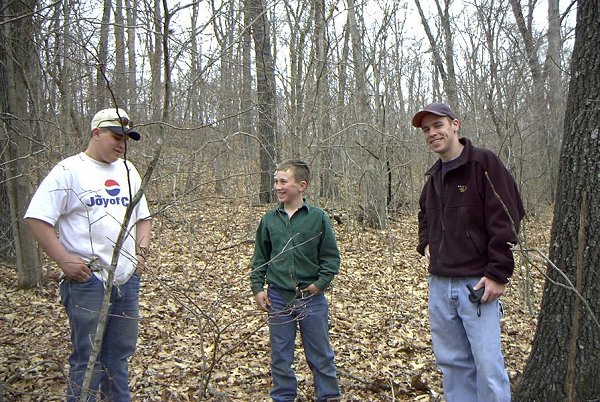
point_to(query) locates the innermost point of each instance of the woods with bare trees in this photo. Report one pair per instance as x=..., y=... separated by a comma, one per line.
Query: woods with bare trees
x=334, y=83
x=229, y=88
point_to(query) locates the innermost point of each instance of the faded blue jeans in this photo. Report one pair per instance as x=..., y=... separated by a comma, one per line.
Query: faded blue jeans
x=311, y=314
x=467, y=347
x=82, y=301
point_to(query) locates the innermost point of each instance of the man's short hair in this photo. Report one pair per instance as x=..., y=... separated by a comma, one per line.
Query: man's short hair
x=300, y=169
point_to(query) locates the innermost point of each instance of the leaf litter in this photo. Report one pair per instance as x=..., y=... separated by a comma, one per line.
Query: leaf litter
x=201, y=337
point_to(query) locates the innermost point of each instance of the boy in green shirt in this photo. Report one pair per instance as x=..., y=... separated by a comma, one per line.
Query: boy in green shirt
x=296, y=256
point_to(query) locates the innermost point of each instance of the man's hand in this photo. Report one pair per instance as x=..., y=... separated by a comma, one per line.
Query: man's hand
x=75, y=269
x=426, y=252
x=72, y=266
x=493, y=289
x=140, y=264
x=262, y=301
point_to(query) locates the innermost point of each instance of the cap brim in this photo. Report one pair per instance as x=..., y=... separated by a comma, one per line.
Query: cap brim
x=134, y=135
x=418, y=118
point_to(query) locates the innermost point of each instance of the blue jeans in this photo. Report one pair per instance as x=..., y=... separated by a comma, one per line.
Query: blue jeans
x=311, y=314
x=467, y=347
x=82, y=301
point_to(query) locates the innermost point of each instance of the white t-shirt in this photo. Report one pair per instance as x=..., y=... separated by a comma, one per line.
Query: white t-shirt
x=88, y=199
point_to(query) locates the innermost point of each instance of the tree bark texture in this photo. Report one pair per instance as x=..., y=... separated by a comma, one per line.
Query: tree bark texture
x=16, y=51
x=565, y=356
x=265, y=88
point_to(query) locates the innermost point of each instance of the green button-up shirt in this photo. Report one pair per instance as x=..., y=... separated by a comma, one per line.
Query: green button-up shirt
x=294, y=253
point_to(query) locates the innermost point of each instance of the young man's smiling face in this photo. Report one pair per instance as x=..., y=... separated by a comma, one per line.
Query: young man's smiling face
x=288, y=190
x=441, y=135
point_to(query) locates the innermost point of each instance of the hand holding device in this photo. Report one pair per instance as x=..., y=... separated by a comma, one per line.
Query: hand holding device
x=475, y=295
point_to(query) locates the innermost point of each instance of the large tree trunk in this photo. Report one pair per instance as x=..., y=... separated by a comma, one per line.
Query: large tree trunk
x=265, y=87
x=564, y=360
x=16, y=50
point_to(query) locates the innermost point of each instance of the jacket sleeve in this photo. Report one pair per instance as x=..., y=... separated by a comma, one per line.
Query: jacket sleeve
x=329, y=255
x=501, y=195
x=261, y=257
x=422, y=217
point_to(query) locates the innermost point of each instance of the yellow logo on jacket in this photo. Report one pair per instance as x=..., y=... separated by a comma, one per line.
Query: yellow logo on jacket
x=462, y=189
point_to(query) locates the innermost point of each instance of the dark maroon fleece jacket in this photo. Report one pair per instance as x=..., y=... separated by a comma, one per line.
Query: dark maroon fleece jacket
x=463, y=221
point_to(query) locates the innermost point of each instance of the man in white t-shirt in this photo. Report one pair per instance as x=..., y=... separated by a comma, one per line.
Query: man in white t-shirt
x=86, y=196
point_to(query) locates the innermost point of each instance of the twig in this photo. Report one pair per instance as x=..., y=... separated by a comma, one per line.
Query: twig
x=569, y=285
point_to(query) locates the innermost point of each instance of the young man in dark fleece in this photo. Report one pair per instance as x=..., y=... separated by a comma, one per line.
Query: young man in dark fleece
x=465, y=233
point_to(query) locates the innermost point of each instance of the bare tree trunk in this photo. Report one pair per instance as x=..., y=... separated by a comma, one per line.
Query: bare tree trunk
x=194, y=107
x=61, y=70
x=155, y=58
x=555, y=97
x=328, y=187
x=565, y=356
x=247, y=116
x=444, y=62
x=16, y=51
x=541, y=114
x=224, y=34
x=265, y=87
x=102, y=97
x=131, y=74
x=373, y=193
x=119, y=84
x=298, y=75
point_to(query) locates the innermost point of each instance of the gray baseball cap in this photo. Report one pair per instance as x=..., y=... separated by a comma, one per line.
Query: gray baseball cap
x=439, y=109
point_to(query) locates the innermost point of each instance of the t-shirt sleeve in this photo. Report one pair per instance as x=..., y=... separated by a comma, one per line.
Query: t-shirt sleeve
x=50, y=198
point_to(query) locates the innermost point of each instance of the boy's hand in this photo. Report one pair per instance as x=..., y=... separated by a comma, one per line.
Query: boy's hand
x=312, y=289
x=262, y=301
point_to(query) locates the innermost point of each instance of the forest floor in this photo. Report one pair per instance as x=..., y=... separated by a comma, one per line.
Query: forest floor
x=201, y=337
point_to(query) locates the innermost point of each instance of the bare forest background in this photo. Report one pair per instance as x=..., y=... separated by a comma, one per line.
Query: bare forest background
x=226, y=89
x=230, y=88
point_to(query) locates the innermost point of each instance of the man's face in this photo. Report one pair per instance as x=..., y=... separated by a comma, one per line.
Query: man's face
x=109, y=146
x=287, y=188
x=441, y=134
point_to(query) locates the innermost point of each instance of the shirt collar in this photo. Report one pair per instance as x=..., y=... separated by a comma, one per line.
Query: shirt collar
x=305, y=204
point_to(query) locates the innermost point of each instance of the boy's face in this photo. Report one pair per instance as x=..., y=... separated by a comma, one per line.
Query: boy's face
x=287, y=188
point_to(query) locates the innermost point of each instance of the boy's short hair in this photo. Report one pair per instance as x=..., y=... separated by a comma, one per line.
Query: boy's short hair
x=300, y=169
